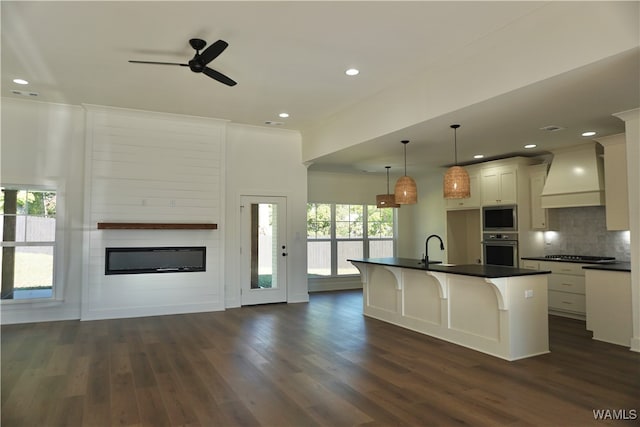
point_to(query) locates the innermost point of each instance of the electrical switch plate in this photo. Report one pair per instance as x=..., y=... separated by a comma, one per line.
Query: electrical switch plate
x=528, y=293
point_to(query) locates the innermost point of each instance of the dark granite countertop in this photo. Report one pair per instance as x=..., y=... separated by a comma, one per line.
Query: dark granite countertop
x=477, y=270
x=616, y=266
x=573, y=261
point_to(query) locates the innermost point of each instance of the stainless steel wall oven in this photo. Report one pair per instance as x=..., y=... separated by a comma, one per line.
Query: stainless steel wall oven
x=500, y=249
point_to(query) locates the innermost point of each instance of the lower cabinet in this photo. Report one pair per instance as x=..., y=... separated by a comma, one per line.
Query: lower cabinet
x=609, y=314
x=566, y=287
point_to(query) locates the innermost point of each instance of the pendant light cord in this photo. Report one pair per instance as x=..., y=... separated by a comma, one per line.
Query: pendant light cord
x=455, y=144
x=455, y=141
x=405, y=142
x=387, y=178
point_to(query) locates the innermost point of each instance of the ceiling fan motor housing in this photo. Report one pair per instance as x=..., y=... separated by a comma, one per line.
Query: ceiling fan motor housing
x=197, y=44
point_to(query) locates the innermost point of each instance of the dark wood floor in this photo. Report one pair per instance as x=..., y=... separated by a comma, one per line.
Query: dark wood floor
x=320, y=363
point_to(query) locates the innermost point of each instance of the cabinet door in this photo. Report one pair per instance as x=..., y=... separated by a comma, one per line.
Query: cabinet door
x=499, y=186
x=471, y=202
x=508, y=186
x=538, y=213
x=490, y=186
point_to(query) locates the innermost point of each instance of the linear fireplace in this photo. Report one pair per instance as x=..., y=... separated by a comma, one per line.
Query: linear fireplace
x=155, y=260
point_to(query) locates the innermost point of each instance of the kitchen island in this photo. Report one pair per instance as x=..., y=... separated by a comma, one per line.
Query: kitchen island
x=608, y=297
x=501, y=311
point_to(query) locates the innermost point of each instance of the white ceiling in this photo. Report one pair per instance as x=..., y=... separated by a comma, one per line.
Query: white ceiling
x=291, y=56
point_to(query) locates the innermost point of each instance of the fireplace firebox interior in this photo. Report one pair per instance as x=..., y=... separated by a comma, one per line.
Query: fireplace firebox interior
x=155, y=260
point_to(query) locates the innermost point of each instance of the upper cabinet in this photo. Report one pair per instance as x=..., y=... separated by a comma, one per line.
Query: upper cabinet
x=498, y=185
x=615, y=181
x=537, y=177
x=471, y=202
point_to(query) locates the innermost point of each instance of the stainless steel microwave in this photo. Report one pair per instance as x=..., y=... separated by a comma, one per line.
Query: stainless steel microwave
x=500, y=218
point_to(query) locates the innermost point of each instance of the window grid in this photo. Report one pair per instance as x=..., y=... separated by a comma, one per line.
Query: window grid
x=356, y=231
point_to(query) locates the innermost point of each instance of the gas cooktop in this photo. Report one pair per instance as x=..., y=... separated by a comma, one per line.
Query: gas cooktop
x=581, y=258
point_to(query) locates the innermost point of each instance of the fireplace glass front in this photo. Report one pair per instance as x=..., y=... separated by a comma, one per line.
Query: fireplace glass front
x=155, y=260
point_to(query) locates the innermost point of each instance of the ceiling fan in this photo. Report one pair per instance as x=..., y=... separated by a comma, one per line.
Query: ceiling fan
x=198, y=64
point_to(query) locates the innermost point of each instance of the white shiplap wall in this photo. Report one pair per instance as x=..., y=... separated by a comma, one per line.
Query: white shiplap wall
x=152, y=167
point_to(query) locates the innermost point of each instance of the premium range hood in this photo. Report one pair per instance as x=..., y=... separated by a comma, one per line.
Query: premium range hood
x=576, y=177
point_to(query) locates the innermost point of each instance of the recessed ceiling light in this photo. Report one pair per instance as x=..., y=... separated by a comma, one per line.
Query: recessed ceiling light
x=352, y=72
x=530, y=146
x=589, y=133
x=283, y=115
x=21, y=81
x=479, y=156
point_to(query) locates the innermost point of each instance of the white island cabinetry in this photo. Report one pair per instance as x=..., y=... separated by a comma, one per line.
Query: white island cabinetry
x=504, y=314
x=608, y=292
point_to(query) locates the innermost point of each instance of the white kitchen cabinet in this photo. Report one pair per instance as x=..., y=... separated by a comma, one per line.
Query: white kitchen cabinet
x=615, y=181
x=566, y=288
x=609, y=314
x=539, y=215
x=473, y=201
x=498, y=185
x=529, y=264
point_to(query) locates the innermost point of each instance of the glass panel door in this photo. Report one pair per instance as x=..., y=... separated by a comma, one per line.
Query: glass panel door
x=263, y=249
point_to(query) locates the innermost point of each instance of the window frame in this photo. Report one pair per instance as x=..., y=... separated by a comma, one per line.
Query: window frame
x=365, y=239
x=57, y=244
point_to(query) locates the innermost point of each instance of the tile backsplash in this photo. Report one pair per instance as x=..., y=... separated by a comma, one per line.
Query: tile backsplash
x=583, y=231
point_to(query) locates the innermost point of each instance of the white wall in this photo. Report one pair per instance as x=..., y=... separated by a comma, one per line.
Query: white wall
x=423, y=219
x=266, y=162
x=336, y=187
x=43, y=144
x=152, y=168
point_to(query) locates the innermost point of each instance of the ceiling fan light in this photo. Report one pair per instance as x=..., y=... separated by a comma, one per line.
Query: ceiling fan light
x=456, y=183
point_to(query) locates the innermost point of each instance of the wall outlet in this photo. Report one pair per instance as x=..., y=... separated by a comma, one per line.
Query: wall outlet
x=528, y=293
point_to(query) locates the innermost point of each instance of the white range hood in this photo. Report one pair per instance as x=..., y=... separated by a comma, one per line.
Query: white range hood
x=576, y=178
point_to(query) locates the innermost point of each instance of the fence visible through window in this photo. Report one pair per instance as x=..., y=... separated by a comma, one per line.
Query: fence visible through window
x=28, y=235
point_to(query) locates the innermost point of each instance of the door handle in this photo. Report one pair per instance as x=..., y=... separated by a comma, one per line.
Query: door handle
x=283, y=248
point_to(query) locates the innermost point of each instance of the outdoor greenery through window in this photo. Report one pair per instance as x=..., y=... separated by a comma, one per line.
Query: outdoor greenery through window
x=337, y=232
x=28, y=241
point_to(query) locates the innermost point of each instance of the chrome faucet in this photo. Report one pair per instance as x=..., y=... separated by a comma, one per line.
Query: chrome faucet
x=426, y=248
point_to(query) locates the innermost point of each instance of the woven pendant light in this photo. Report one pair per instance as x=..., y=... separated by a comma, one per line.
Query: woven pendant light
x=456, y=183
x=406, y=190
x=386, y=200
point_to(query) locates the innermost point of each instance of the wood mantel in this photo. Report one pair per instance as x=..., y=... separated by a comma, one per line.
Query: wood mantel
x=155, y=226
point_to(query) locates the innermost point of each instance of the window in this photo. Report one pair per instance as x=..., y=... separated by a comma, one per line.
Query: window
x=337, y=232
x=28, y=240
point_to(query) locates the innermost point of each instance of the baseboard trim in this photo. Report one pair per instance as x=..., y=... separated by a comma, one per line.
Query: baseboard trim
x=334, y=284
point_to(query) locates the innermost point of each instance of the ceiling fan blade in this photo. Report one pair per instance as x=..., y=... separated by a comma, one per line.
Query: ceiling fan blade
x=218, y=76
x=210, y=53
x=158, y=63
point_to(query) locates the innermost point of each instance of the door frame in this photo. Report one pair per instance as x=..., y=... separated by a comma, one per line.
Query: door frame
x=262, y=296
